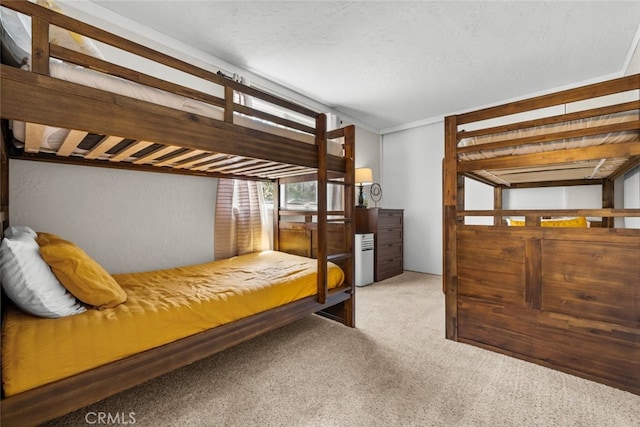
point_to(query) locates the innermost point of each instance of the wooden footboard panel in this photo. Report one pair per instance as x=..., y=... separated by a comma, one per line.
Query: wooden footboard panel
x=564, y=298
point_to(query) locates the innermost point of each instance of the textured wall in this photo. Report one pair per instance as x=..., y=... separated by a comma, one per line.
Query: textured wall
x=128, y=221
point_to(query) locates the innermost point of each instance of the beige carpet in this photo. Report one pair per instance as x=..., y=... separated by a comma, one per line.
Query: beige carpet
x=394, y=369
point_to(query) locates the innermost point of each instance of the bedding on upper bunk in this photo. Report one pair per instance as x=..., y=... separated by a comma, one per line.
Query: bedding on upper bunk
x=161, y=307
x=558, y=144
x=16, y=40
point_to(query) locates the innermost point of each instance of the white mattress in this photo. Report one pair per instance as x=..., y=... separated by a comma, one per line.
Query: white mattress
x=610, y=138
x=53, y=137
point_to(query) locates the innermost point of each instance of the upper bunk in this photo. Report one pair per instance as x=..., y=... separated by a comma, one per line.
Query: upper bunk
x=576, y=136
x=588, y=135
x=68, y=98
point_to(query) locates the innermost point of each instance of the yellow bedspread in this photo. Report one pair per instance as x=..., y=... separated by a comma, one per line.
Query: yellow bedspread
x=162, y=306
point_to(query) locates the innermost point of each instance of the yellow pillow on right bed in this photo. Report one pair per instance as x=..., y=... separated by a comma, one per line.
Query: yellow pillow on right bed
x=554, y=222
x=80, y=274
x=565, y=222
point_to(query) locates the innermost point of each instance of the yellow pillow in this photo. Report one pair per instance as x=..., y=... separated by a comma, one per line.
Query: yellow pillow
x=563, y=222
x=82, y=276
x=69, y=39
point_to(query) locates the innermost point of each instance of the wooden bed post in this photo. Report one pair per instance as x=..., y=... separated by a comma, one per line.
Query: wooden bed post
x=276, y=214
x=450, y=222
x=608, y=188
x=321, y=142
x=349, y=232
x=40, y=45
x=497, y=204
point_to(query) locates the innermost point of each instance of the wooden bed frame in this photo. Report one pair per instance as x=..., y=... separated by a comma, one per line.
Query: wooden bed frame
x=38, y=99
x=565, y=298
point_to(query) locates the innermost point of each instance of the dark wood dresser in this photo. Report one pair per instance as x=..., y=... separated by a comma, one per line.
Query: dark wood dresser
x=387, y=227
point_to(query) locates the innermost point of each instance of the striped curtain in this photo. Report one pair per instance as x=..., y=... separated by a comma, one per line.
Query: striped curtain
x=240, y=219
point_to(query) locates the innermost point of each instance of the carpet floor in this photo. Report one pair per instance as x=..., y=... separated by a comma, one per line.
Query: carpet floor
x=395, y=369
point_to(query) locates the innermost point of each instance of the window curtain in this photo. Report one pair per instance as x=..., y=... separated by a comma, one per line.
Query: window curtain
x=241, y=220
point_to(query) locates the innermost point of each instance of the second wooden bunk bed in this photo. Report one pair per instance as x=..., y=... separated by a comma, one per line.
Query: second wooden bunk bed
x=563, y=297
x=118, y=131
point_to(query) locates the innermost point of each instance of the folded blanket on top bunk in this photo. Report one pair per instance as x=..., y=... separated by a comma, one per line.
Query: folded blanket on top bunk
x=559, y=144
x=159, y=307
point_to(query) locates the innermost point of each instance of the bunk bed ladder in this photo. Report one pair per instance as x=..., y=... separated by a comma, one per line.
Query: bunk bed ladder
x=344, y=258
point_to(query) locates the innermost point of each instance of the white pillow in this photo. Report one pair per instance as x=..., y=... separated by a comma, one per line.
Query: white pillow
x=15, y=230
x=29, y=282
x=16, y=37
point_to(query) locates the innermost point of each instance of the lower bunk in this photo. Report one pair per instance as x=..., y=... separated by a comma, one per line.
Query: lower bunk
x=171, y=318
x=565, y=298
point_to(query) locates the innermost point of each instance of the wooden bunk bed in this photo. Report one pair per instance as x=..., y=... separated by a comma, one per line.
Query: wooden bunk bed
x=560, y=296
x=221, y=138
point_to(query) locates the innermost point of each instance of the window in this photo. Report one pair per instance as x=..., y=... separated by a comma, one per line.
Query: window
x=304, y=196
x=300, y=196
x=267, y=192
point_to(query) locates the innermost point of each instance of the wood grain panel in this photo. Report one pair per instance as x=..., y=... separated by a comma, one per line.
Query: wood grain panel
x=586, y=351
x=492, y=268
x=608, y=290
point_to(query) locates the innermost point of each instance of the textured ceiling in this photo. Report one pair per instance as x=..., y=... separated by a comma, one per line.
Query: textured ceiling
x=391, y=63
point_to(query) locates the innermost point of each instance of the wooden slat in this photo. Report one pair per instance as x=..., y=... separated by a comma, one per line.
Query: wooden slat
x=266, y=170
x=34, y=136
x=130, y=150
x=71, y=142
x=209, y=165
x=235, y=165
x=175, y=159
x=249, y=167
x=291, y=171
x=148, y=158
x=200, y=160
x=103, y=146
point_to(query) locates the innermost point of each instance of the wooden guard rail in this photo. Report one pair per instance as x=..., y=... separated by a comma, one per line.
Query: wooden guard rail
x=42, y=51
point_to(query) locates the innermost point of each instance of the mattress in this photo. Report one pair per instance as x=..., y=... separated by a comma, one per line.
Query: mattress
x=162, y=306
x=570, y=143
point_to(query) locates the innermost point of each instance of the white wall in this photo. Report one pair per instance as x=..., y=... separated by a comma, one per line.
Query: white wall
x=128, y=221
x=412, y=180
x=368, y=152
x=631, y=197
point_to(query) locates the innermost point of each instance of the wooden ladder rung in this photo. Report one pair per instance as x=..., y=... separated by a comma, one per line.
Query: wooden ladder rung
x=343, y=219
x=338, y=257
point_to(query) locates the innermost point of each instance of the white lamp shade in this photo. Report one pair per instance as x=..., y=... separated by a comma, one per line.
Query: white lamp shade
x=364, y=176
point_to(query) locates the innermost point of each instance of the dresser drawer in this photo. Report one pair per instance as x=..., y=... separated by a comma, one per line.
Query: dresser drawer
x=389, y=220
x=389, y=250
x=386, y=236
x=388, y=267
